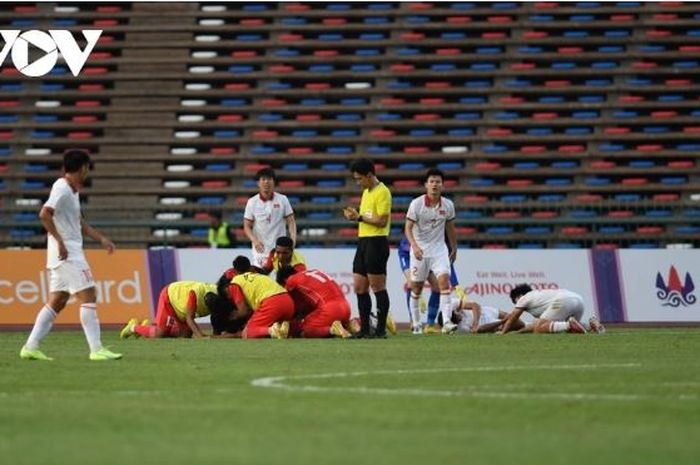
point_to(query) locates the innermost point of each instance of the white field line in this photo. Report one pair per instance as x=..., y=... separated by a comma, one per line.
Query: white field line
x=281, y=382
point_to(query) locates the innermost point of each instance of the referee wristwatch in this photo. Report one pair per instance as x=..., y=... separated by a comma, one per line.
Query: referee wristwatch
x=359, y=219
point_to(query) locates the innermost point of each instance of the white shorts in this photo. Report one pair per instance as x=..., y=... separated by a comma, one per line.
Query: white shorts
x=562, y=309
x=420, y=269
x=71, y=277
x=259, y=259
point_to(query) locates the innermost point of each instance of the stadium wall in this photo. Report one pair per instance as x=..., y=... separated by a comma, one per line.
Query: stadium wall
x=617, y=285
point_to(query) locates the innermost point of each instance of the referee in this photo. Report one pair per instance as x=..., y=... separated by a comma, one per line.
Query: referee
x=369, y=265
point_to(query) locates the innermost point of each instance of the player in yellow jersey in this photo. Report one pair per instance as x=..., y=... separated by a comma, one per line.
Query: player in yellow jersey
x=259, y=297
x=369, y=264
x=284, y=255
x=179, y=304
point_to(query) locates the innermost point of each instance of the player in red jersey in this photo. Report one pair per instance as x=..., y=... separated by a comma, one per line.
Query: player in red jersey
x=318, y=301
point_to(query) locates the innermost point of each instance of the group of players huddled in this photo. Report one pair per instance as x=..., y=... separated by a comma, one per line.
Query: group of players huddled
x=306, y=302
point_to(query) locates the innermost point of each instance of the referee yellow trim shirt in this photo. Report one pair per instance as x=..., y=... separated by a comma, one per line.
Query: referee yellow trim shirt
x=375, y=202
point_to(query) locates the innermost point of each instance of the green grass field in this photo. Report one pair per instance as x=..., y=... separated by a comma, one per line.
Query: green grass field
x=625, y=397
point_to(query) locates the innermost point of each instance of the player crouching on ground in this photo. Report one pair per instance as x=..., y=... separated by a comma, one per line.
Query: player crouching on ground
x=179, y=304
x=321, y=309
x=222, y=324
x=556, y=311
x=259, y=297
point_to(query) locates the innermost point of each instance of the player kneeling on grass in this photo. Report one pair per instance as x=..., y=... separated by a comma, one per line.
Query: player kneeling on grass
x=222, y=323
x=321, y=309
x=259, y=297
x=556, y=311
x=179, y=304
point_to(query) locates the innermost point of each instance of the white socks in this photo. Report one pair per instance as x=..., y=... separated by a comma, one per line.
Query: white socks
x=558, y=326
x=445, y=308
x=91, y=326
x=415, y=310
x=42, y=326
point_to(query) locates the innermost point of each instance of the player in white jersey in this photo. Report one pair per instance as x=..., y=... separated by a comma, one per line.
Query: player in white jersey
x=555, y=310
x=69, y=272
x=471, y=317
x=265, y=217
x=430, y=218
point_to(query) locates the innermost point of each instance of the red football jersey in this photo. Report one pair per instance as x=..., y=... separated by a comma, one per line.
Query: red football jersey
x=315, y=286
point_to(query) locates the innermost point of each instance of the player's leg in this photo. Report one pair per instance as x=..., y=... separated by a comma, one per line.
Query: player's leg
x=560, y=317
x=266, y=320
x=360, y=283
x=419, y=273
x=45, y=318
x=433, y=305
x=162, y=325
x=440, y=266
x=82, y=285
x=376, y=261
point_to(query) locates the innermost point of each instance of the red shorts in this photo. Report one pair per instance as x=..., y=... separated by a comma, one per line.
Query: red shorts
x=325, y=315
x=274, y=309
x=166, y=318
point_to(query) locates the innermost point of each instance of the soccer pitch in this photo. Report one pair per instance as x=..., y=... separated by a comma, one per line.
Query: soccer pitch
x=625, y=397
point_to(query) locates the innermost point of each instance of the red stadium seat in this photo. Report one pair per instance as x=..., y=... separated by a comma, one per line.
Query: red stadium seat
x=650, y=230
x=546, y=214
x=406, y=183
x=574, y=230
x=438, y=85
x=215, y=184
x=300, y=150
x=470, y=199
x=223, y=150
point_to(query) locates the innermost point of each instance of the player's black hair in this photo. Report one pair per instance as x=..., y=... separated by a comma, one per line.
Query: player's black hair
x=218, y=214
x=453, y=318
x=220, y=310
x=433, y=172
x=519, y=291
x=241, y=264
x=284, y=273
x=363, y=166
x=75, y=159
x=285, y=241
x=266, y=173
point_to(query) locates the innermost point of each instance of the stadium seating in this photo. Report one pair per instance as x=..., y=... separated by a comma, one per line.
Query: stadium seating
x=557, y=124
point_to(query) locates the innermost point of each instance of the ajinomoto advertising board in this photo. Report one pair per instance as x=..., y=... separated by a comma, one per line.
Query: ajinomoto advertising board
x=121, y=282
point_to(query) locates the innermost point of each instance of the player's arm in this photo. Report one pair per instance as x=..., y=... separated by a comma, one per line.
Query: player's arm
x=511, y=319
x=408, y=230
x=241, y=310
x=475, y=308
x=291, y=227
x=96, y=235
x=189, y=318
x=248, y=230
x=451, y=239
x=46, y=218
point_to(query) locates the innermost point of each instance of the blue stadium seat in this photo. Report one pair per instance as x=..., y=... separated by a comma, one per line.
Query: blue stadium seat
x=330, y=183
x=537, y=230
x=211, y=200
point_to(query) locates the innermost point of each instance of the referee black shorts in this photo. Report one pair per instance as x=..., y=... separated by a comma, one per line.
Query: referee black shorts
x=371, y=255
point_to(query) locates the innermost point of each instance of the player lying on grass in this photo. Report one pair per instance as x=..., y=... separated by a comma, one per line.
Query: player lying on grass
x=555, y=311
x=259, y=298
x=472, y=318
x=321, y=309
x=179, y=304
